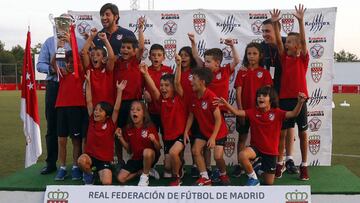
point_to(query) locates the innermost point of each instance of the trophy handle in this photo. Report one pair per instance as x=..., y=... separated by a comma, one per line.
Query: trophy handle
x=51, y=18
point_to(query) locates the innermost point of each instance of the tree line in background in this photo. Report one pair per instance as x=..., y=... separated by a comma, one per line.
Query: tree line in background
x=16, y=54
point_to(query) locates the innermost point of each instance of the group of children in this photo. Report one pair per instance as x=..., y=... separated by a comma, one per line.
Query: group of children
x=186, y=106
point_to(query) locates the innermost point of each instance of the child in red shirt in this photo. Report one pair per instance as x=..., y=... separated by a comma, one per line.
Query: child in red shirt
x=212, y=126
x=156, y=70
x=173, y=118
x=294, y=59
x=99, y=147
x=140, y=138
x=265, y=124
x=248, y=80
x=127, y=68
x=70, y=108
x=101, y=66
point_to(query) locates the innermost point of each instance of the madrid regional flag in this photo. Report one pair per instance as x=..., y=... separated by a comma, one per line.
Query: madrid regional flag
x=29, y=109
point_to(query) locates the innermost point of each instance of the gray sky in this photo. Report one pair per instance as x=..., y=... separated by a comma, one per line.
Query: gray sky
x=15, y=16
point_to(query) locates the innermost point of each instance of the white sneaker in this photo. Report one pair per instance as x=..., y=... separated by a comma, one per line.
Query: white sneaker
x=153, y=173
x=144, y=180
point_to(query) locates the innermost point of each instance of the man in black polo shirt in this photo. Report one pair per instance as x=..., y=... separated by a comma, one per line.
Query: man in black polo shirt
x=109, y=14
x=273, y=64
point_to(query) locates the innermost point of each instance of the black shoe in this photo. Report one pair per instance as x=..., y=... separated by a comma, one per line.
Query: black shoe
x=290, y=167
x=47, y=170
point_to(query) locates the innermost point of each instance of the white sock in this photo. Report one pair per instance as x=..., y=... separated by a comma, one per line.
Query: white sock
x=252, y=175
x=74, y=166
x=204, y=174
x=288, y=158
x=63, y=167
x=303, y=163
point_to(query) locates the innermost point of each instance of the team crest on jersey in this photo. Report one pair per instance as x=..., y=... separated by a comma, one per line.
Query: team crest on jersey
x=271, y=116
x=260, y=74
x=317, y=51
x=170, y=27
x=204, y=105
x=170, y=48
x=218, y=76
x=287, y=22
x=119, y=37
x=315, y=124
x=190, y=78
x=144, y=133
x=316, y=71
x=314, y=144
x=256, y=27
x=104, y=126
x=229, y=146
x=199, y=22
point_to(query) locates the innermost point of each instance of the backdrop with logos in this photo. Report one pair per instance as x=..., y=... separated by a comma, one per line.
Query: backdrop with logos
x=212, y=27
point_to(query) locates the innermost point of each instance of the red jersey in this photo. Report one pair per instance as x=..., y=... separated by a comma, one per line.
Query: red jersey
x=102, y=85
x=203, y=110
x=138, y=139
x=186, y=78
x=250, y=80
x=154, y=105
x=70, y=91
x=220, y=82
x=129, y=70
x=100, y=139
x=173, y=117
x=265, y=128
x=293, y=75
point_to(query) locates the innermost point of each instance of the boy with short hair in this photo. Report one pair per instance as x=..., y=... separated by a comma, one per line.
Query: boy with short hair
x=156, y=71
x=212, y=126
x=127, y=68
x=294, y=59
x=70, y=107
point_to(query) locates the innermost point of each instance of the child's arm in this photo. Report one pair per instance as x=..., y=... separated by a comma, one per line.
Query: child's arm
x=120, y=88
x=222, y=102
x=140, y=51
x=85, y=51
x=299, y=14
x=195, y=53
x=238, y=97
x=122, y=140
x=111, y=56
x=275, y=17
x=236, y=58
x=295, y=112
x=149, y=81
x=217, y=116
x=189, y=123
x=177, y=82
x=155, y=142
x=89, y=104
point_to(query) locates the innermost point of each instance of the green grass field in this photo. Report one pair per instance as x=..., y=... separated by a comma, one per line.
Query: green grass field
x=346, y=130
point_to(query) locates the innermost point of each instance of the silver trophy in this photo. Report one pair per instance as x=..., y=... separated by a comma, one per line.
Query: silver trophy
x=61, y=29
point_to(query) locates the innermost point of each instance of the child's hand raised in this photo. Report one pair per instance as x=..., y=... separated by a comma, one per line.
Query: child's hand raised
x=299, y=12
x=141, y=23
x=191, y=37
x=275, y=15
x=143, y=68
x=121, y=85
x=302, y=97
x=93, y=32
x=178, y=60
x=229, y=42
x=102, y=36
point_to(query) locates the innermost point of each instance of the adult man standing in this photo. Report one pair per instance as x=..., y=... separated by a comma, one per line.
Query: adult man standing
x=109, y=14
x=273, y=64
x=44, y=65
